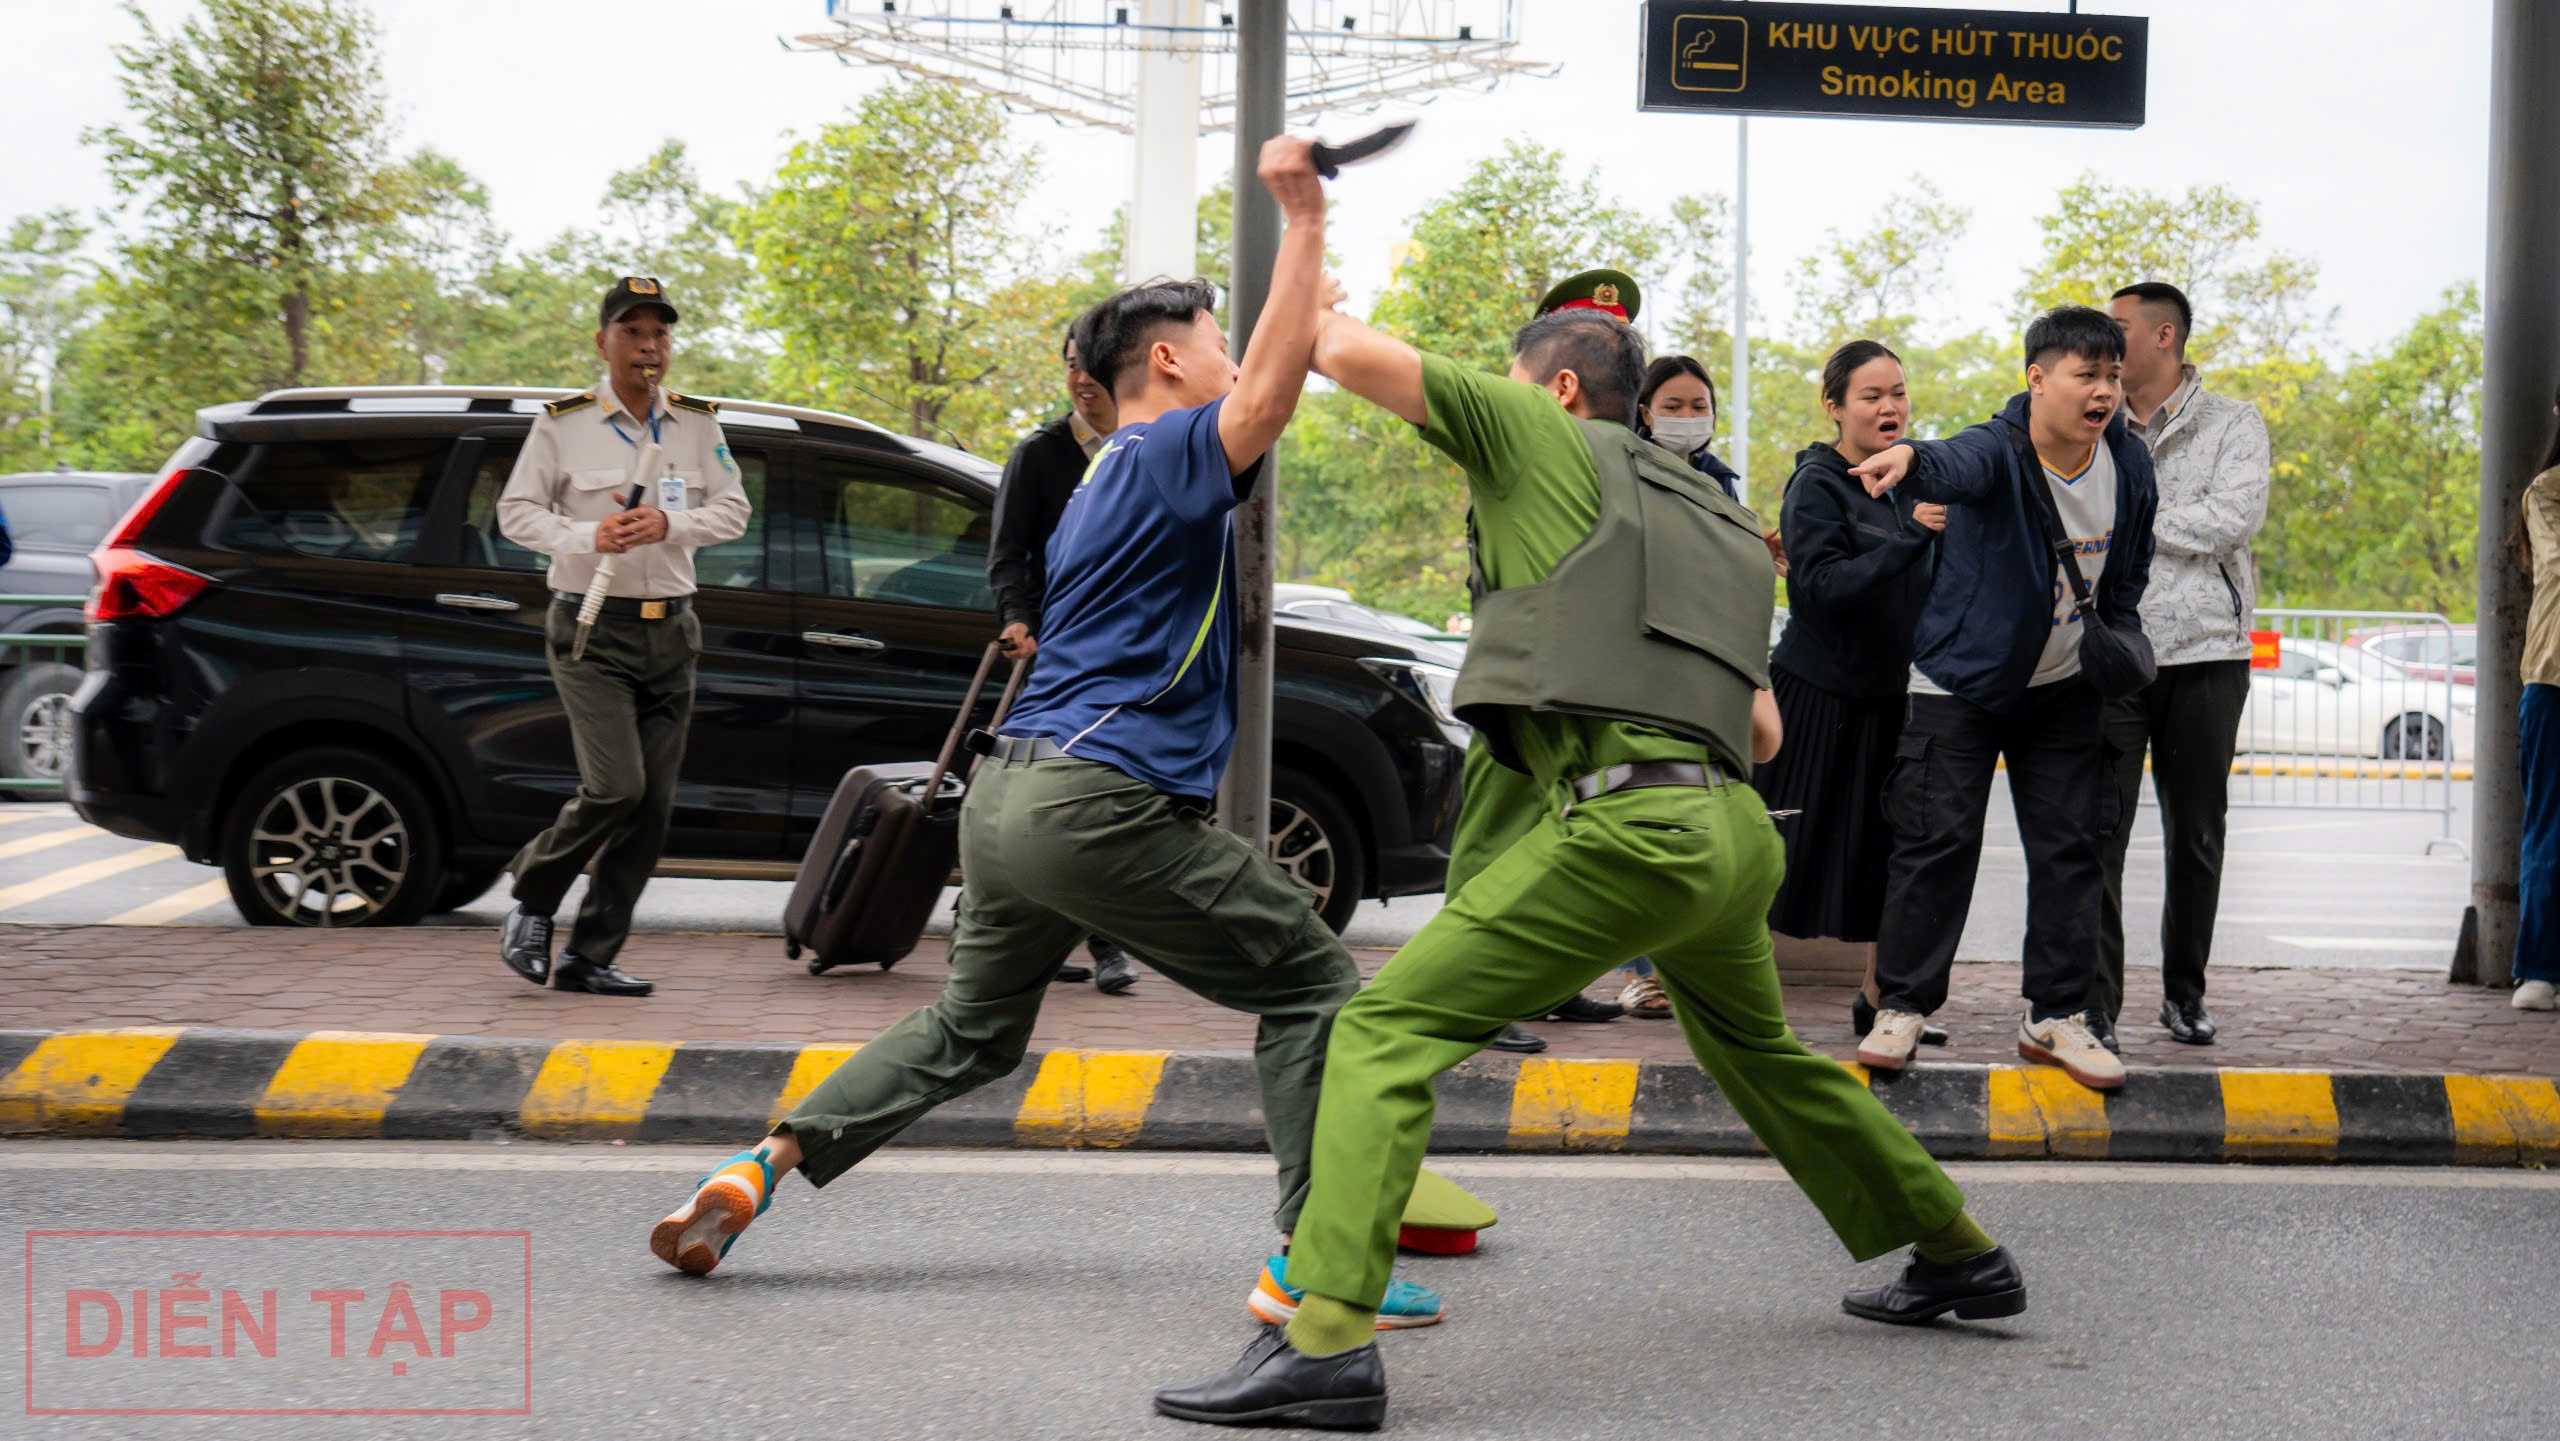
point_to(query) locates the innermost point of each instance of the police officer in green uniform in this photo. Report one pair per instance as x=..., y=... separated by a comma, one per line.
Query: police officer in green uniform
x=629, y=695
x=1619, y=660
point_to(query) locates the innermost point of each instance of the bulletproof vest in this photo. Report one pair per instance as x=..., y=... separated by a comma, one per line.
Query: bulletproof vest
x=1660, y=616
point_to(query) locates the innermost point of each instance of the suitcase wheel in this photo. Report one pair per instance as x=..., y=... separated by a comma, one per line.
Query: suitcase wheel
x=817, y=965
x=791, y=950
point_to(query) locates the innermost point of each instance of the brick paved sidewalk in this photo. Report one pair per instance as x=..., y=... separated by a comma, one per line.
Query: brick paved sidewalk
x=448, y=981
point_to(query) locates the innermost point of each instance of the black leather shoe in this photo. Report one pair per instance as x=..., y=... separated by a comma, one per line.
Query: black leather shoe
x=1583, y=1008
x=1985, y=1287
x=2102, y=1026
x=524, y=942
x=1862, y=1019
x=1518, y=1040
x=1071, y=976
x=2188, y=1022
x=577, y=973
x=1113, y=972
x=1272, y=1382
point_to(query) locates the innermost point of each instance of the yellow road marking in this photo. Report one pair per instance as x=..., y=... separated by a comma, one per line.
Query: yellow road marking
x=338, y=1083
x=45, y=841
x=76, y=1084
x=2278, y=1115
x=1572, y=1105
x=2039, y=1110
x=587, y=1088
x=2503, y=1118
x=815, y=1064
x=175, y=907
x=1854, y=1069
x=1088, y=1098
x=74, y=877
x=19, y=817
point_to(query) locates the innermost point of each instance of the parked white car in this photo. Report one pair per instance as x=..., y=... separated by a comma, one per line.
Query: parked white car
x=2328, y=699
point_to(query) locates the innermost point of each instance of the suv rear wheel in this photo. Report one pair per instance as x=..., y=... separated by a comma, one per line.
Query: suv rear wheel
x=1313, y=839
x=331, y=838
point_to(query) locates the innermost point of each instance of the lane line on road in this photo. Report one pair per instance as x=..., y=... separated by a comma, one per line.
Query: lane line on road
x=17, y=817
x=45, y=841
x=2364, y=943
x=76, y=876
x=536, y=1158
x=175, y=907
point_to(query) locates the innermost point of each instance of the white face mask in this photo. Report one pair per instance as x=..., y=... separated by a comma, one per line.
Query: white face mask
x=1683, y=434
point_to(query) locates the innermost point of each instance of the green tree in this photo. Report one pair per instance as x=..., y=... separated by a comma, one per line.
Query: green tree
x=2380, y=509
x=2101, y=237
x=1700, y=319
x=879, y=244
x=254, y=151
x=43, y=297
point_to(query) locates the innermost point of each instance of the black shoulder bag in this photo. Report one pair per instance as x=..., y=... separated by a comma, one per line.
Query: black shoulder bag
x=2116, y=659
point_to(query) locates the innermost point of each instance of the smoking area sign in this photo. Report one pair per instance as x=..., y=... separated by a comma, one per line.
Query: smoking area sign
x=2001, y=67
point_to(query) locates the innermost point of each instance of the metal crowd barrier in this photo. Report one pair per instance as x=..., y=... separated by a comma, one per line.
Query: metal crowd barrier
x=2334, y=726
x=37, y=728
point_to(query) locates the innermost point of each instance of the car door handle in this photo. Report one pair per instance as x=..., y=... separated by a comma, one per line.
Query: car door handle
x=841, y=641
x=476, y=602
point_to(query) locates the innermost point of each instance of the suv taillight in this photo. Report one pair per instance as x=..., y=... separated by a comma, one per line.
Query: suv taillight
x=133, y=584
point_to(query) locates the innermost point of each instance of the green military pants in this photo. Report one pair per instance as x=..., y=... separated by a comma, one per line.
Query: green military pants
x=1051, y=851
x=630, y=703
x=1684, y=874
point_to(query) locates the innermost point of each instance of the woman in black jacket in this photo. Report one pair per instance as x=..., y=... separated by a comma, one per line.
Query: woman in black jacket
x=1859, y=572
x=1677, y=411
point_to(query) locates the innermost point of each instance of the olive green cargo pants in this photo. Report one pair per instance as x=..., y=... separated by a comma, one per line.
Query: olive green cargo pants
x=1682, y=874
x=630, y=703
x=1051, y=851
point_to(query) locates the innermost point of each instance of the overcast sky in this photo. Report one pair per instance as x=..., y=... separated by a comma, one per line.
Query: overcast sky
x=2361, y=126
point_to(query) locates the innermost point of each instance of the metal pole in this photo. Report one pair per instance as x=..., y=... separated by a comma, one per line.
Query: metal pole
x=2520, y=361
x=1262, y=74
x=1738, y=383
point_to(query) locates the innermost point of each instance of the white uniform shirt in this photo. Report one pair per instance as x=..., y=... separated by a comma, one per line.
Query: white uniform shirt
x=576, y=467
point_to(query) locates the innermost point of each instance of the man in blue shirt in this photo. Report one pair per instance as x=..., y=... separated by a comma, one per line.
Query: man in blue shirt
x=1090, y=813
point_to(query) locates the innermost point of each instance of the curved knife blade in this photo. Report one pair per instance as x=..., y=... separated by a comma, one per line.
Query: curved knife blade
x=1331, y=158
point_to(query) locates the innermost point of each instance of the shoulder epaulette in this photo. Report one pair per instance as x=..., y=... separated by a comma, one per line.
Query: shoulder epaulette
x=707, y=407
x=563, y=407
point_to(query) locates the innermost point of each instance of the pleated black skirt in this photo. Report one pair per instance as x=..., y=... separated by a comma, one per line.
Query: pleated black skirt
x=1831, y=766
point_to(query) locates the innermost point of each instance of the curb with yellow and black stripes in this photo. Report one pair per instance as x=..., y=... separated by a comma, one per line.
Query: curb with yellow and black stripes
x=211, y=1082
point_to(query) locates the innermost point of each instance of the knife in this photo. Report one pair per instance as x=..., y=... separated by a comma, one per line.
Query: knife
x=1331, y=158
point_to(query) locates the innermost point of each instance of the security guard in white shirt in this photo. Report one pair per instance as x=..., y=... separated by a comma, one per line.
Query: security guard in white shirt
x=629, y=697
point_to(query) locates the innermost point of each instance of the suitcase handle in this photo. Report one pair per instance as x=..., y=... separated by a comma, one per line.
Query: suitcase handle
x=968, y=703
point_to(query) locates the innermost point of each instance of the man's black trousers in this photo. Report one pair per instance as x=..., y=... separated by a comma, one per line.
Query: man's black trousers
x=2062, y=784
x=2189, y=719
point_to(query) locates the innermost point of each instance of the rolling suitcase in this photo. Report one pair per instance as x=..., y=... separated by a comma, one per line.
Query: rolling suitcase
x=883, y=851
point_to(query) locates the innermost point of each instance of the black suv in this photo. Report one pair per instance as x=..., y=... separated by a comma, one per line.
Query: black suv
x=315, y=662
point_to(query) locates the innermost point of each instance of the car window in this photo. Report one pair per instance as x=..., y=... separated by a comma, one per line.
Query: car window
x=57, y=517
x=894, y=537
x=2299, y=662
x=343, y=499
x=731, y=565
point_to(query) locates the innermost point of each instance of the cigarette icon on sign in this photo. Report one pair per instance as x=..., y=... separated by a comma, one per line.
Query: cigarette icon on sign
x=1710, y=52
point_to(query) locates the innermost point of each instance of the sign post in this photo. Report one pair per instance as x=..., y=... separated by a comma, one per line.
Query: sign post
x=1998, y=67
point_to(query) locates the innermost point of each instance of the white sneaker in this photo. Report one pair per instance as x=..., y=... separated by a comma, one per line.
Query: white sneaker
x=1889, y=1044
x=1644, y=998
x=2535, y=996
x=2066, y=1041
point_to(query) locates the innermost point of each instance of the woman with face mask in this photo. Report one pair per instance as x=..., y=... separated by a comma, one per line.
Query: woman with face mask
x=1860, y=574
x=1677, y=411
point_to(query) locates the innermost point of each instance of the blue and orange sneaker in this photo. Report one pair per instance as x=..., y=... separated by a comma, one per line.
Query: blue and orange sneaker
x=698, y=1236
x=1274, y=1300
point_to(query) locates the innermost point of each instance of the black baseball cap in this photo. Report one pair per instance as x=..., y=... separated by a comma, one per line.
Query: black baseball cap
x=629, y=294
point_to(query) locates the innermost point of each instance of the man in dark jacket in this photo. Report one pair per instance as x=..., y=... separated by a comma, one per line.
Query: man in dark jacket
x=1996, y=674
x=1041, y=474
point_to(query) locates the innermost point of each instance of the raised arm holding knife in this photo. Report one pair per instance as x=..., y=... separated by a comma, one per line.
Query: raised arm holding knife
x=619, y=486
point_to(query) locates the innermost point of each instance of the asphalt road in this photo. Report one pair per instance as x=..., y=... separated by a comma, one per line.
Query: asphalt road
x=2302, y=887
x=976, y=1295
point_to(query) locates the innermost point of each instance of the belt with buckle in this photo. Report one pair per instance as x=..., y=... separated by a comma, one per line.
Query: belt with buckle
x=1023, y=749
x=631, y=607
x=1647, y=775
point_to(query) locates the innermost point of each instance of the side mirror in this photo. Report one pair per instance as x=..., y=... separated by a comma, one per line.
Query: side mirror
x=2331, y=676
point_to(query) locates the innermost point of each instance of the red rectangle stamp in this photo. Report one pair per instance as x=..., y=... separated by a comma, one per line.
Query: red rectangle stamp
x=279, y=1323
